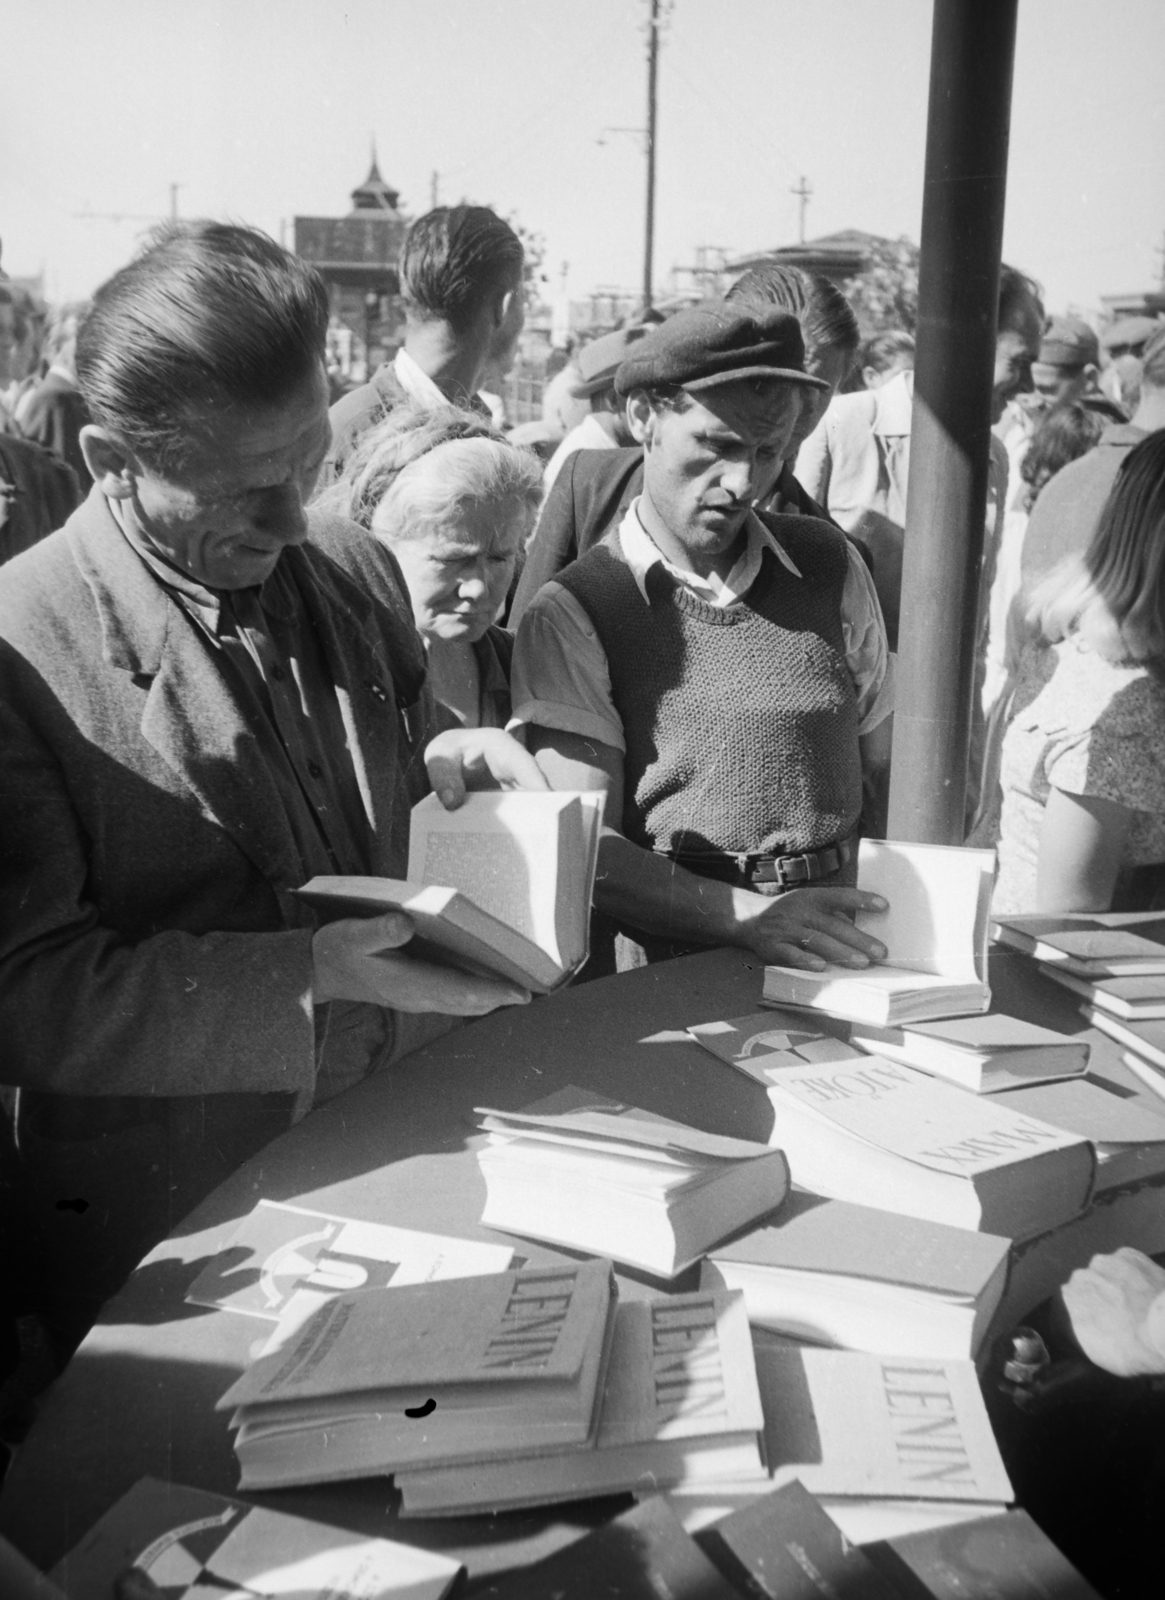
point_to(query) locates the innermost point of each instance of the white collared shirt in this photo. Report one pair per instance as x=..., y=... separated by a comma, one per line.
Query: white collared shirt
x=415, y=382
x=560, y=678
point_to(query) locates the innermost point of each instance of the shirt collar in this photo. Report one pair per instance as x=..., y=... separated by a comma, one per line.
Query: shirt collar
x=641, y=554
x=416, y=383
x=893, y=404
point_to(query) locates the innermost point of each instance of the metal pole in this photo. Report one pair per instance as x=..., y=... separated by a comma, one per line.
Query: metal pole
x=649, y=238
x=972, y=52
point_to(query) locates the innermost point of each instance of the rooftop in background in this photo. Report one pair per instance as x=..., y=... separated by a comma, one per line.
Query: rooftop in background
x=836, y=256
x=361, y=250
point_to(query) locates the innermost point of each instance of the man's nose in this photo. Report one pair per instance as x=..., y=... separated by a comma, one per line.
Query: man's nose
x=283, y=514
x=473, y=585
x=739, y=477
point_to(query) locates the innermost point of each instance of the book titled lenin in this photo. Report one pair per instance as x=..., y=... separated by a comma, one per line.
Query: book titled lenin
x=447, y=1371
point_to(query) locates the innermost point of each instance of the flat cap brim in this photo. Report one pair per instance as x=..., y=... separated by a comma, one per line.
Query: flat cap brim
x=784, y=374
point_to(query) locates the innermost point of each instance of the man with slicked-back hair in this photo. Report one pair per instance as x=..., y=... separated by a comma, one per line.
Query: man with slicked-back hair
x=461, y=280
x=207, y=696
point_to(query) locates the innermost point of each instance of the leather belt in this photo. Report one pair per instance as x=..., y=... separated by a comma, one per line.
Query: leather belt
x=788, y=872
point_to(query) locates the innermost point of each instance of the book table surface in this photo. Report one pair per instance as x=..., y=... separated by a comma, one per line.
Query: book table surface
x=138, y=1397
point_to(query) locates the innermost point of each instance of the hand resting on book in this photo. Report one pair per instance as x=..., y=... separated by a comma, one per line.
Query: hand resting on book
x=1116, y=1305
x=810, y=927
x=356, y=959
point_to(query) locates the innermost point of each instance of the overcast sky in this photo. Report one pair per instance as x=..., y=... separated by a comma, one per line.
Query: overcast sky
x=262, y=109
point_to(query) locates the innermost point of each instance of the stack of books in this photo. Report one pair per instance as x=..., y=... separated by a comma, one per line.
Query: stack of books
x=983, y=1054
x=680, y=1405
x=428, y=1374
x=1113, y=965
x=580, y=1170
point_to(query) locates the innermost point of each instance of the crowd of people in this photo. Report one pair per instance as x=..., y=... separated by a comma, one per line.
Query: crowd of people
x=242, y=634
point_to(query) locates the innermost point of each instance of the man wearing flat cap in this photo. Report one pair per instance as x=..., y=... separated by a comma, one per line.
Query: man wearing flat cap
x=714, y=669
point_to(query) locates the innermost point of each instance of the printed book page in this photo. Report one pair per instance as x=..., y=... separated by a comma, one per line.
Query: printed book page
x=910, y=1114
x=525, y=857
x=939, y=903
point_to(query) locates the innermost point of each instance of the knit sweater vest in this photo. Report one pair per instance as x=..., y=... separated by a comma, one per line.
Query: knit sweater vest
x=741, y=723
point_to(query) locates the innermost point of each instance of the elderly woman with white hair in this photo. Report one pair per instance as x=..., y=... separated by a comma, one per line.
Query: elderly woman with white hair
x=455, y=502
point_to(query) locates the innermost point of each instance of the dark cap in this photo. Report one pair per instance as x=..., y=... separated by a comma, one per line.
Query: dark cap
x=599, y=361
x=715, y=343
x=1067, y=342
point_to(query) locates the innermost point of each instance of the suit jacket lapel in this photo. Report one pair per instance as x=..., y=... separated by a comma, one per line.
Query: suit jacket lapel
x=191, y=717
x=385, y=747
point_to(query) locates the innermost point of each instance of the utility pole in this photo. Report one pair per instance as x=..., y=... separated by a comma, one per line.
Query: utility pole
x=649, y=231
x=804, y=194
x=174, y=188
x=434, y=179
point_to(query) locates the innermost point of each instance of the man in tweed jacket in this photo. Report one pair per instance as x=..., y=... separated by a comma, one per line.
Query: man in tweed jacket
x=206, y=697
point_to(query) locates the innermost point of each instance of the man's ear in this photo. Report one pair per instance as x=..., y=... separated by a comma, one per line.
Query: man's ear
x=640, y=418
x=112, y=467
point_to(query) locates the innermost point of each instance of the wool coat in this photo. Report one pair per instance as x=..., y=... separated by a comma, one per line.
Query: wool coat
x=155, y=966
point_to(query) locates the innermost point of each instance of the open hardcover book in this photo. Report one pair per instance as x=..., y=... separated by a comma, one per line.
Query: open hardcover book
x=501, y=886
x=935, y=934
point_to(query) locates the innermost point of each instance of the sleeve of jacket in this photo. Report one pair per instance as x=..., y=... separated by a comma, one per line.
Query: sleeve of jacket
x=84, y=1011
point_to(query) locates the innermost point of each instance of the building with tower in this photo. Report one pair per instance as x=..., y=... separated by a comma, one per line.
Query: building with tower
x=357, y=258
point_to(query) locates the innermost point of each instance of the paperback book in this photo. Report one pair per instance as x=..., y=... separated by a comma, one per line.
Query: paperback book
x=1129, y=1140
x=854, y=1427
x=500, y=886
x=1134, y=999
x=283, y=1262
x=935, y=933
x=387, y=1379
x=642, y=1555
x=196, y=1546
x=1144, y=1039
x=879, y=1133
x=983, y=1054
x=1006, y=1556
x=1118, y=945
x=858, y=1278
x=680, y=1404
x=786, y=1546
x=760, y=1044
x=580, y=1170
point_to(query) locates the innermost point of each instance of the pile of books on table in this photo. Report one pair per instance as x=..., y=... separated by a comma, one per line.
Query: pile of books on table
x=1113, y=965
x=815, y=1377
x=191, y=1545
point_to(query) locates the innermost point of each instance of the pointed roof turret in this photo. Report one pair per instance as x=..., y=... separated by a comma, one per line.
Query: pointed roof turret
x=374, y=194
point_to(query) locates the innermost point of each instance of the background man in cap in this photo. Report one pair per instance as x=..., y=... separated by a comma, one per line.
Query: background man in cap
x=461, y=280
x=1068, y=363
x=711, y=669
x=605, y=425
